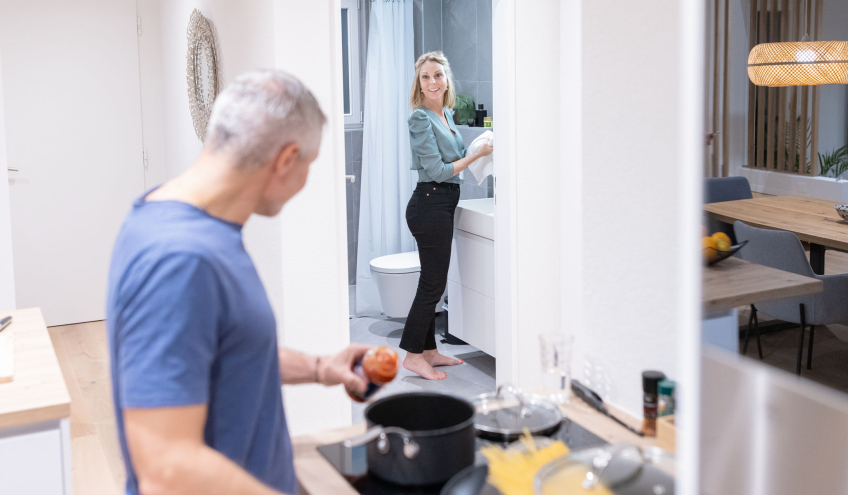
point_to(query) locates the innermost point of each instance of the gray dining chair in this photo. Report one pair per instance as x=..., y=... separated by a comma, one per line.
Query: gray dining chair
x=782, y=250
x=721, y=189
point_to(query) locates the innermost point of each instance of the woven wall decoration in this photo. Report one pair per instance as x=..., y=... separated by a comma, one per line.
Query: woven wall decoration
x=201, y=71
x=799, y=63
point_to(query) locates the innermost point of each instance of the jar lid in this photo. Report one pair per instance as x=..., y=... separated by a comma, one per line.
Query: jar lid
x=666, y=387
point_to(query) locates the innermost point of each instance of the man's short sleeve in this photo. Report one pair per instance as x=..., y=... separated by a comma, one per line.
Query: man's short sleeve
x=167, y=334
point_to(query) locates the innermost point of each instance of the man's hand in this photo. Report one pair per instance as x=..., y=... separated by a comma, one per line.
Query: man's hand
x=338, y=368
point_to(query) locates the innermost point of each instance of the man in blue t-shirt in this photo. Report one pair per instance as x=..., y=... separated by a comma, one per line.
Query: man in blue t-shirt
x=196, y=369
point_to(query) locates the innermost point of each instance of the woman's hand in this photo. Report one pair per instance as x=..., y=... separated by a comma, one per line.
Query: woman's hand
x=485, y=150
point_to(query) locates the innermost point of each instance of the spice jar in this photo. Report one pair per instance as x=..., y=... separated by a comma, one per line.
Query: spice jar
x=650, y=381
x=666, y=398
x=379, y=366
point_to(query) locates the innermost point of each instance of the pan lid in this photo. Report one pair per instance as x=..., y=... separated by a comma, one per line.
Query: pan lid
x=507, y=412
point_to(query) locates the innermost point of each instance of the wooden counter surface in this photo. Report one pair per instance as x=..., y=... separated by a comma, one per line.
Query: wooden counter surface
x=38, y=391
x=734, y=282
x=316, y=476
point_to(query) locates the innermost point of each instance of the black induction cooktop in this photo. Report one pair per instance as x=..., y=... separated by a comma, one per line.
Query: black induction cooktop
x=352, y=464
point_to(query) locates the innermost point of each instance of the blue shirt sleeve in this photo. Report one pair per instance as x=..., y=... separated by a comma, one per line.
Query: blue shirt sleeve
x=423, y=143
x=168, y=334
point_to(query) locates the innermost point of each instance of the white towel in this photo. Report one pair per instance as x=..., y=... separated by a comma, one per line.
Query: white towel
x=481, y=167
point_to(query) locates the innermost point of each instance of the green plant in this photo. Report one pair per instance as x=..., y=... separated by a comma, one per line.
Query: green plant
x=833, y=164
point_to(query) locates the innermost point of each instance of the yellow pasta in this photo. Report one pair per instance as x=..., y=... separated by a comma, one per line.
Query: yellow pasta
x=512, y=472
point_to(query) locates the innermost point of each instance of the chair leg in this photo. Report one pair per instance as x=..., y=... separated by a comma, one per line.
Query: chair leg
x=748, y=331
x=757, y=332
x=810, y=348
x=800, y=343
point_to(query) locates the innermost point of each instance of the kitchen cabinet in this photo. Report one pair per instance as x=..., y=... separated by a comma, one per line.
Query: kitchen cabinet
x=35, y=409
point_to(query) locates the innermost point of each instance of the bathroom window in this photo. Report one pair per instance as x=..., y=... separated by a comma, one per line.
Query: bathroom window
x=350, y=63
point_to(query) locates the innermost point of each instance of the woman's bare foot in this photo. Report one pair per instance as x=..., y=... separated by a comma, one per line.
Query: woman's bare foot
x=417, y=364
x=435, y=359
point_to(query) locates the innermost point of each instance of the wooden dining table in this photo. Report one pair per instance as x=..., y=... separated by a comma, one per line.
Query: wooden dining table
x=812, y=220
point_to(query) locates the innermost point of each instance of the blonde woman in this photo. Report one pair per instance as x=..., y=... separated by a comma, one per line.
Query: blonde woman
x=438, y=155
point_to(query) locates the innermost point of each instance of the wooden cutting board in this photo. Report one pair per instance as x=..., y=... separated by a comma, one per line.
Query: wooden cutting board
x=7, y=356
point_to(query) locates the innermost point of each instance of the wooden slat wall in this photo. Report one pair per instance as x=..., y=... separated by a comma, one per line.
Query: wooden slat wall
x=714, y=172
x=795, y=33
x=805, y=108
x=781, y=115
x=761, y=94
x=771, y=102
x=752, y=89
x=771, y=145
x=725, y=109
x=814, y=147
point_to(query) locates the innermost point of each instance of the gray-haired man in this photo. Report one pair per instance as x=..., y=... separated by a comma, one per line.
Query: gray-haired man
x=196, y=370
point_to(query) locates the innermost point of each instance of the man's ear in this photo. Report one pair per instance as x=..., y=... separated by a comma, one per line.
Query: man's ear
x=287, y=159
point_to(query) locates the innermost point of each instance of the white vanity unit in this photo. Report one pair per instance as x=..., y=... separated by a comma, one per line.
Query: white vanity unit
x=471, y=277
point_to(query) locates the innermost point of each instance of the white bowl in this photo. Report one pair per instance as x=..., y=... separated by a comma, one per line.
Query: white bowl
x=843, y=211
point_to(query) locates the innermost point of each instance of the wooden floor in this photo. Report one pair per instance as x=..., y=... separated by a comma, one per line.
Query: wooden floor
x=96, y=459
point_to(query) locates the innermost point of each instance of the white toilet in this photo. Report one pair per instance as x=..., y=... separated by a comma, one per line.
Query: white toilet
x=396, y=277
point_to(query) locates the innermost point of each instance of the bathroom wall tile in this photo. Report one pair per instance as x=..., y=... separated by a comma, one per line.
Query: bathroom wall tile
x=356, y=144
x=484, y=40
x=432, y=25
x=484, y=96
x=466, y=88
x=418, y=27
x=459, y=33
x=356, y=169
x=348, y=151
x=351, y=263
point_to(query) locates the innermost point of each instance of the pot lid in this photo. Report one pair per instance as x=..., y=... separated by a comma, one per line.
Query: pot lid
x=507, y=413
x=621, y=468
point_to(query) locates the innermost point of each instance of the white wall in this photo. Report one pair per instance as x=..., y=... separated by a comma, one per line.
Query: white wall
x=632, y=195
x=7, y=269
x=302, y=263
x=314, y=240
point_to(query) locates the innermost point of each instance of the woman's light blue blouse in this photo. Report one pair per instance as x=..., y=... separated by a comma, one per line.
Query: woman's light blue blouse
x=434, y=146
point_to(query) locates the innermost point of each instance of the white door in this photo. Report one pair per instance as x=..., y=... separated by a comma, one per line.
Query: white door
x=73, y=132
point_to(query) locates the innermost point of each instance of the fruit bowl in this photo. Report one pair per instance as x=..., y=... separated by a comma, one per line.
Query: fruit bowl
x=843, y=211
x=722, y=255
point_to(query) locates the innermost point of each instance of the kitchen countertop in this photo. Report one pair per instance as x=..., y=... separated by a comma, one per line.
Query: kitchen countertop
x=38, y=392
x=316, y=475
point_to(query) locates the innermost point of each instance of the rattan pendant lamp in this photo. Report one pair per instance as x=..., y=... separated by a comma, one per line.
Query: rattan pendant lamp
x=799, y=63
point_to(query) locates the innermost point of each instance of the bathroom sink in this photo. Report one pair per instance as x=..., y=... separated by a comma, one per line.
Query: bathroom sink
x=476, y=216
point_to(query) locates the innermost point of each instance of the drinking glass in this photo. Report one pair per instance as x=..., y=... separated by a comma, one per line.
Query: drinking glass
x=555, y=350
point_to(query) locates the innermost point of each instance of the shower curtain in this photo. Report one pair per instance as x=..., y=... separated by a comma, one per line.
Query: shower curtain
x=387, y=181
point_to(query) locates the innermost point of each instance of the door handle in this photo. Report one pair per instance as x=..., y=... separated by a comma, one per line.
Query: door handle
x=351, y=178
x=11, y=169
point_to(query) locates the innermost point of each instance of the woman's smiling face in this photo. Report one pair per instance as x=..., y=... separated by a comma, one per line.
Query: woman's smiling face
x=433, y=82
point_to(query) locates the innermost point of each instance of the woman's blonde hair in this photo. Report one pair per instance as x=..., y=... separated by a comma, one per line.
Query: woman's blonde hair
x=416, y=96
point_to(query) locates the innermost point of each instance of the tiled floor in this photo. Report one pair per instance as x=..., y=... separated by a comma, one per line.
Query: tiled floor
x=475, y=376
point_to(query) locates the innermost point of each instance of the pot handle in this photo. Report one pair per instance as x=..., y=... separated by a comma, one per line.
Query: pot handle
x=380, y=433
x=518, y=396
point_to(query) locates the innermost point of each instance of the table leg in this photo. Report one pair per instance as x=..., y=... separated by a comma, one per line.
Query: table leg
x=817, y=258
